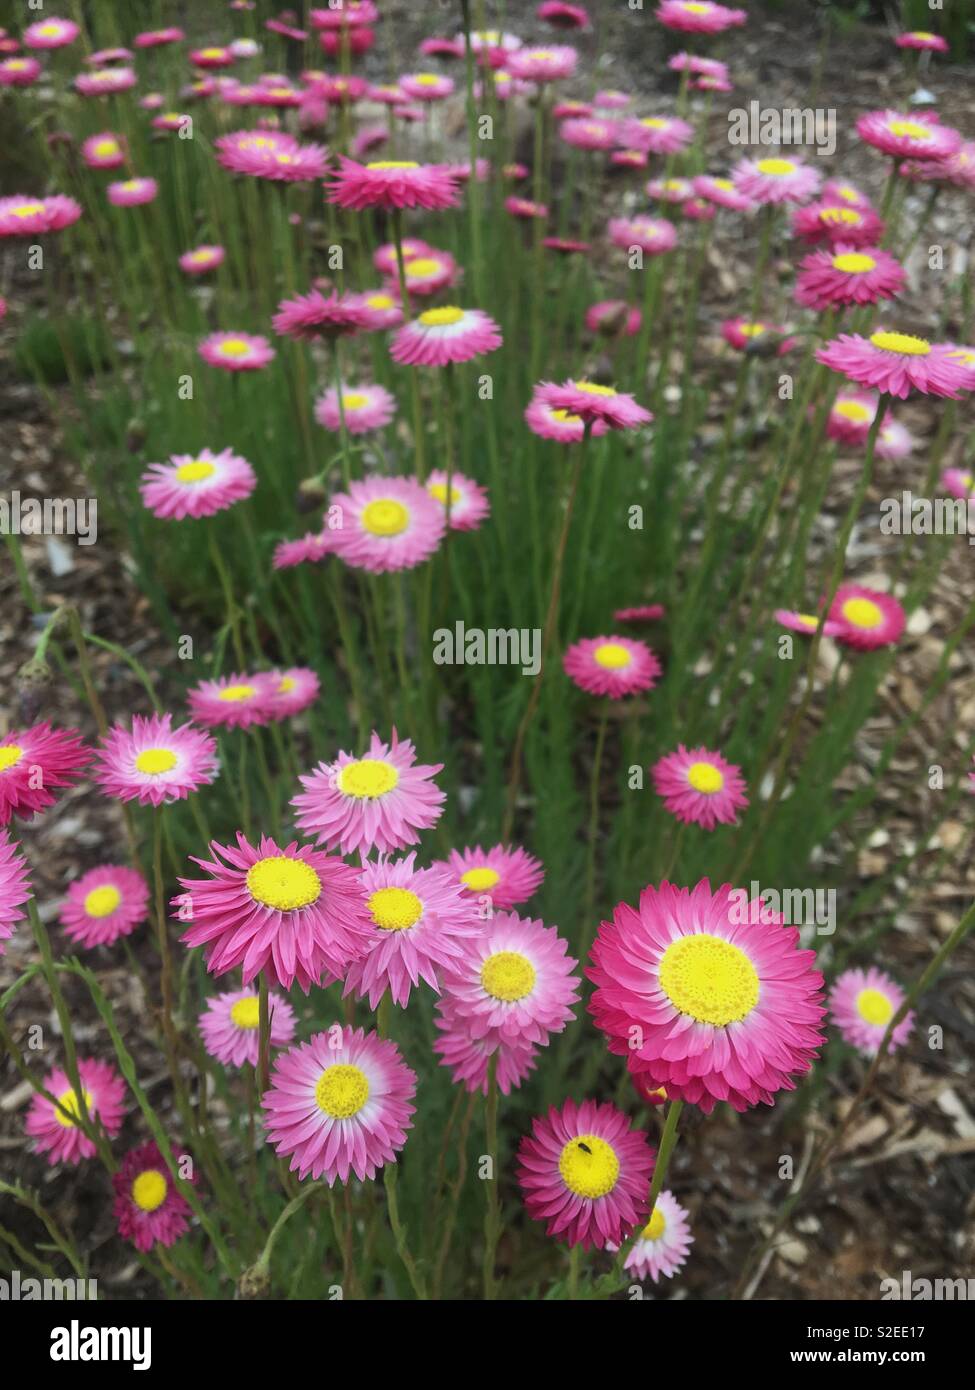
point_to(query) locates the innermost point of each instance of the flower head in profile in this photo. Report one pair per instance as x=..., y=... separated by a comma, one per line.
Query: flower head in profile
x=426, y=86
x=232, y=702
x=470, y=1059
x=310, y=548
x=699, y=16
x=339, y=1105
x=391, y=183
x=775, y=179
x=715, y=990
x=700, y=787
x=862, y=1003
x=35, y=761
x=806, y=623
x=50, y=33
x=445, y=334
x=149, y=1208
x=236, y=352
x=56, y=1130
x=15, y=886
x=908, y=136
x=292, y=912
x=105, y=151
x=748, y=335
x=844, y=275
x=923, y=41
x=838, y=223
x=642, y=613
x=657, y=134
x=611, y=666
x=387, y=524
x=551, y=64
x=721, y=192
x=22, y=215
x=154, y=763
x=230, y=1025
x=851, y=415
x=586, y=1173
x=378, y=801
x=653, y=235
x=468, y=500
x=561, y=425
x=365, y=407
x=425, y=275
x=201, y=259
x=19, y=72
x=132, y=193
x=896, y=363
x=104, y=904
x=503, y=875
x=592, y=402
x=960, y=482
x=291, y=691
x=195, y=485
x=868, y=618
x=590, y=133
x=106, y=82
x=661, y=1246
x=317, y=315
x=380, y=309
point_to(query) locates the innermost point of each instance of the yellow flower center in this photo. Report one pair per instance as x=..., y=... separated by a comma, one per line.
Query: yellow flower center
x=654, y=1228
x=196, y=472
x=132, y=185
x=654, y=122
x=508, y=975
x=286, y=684
x=153, y=760
x=426, y=79
x=693, y=8
x=342, y=1090
x=874, y=1007
x=853, y=262
x=385, y=517
x=395, y=909
x=612, y=655
x=705, y=777
x=902, y=343
x=102, y=902
x=592, y=388
x=380, y=301
x=965, y=356
x=393, y=164
x=862, y=612
x=751, y=330
x=149, y=1190
x=912, y=129
x=808, y=620
x=565, y=417
x=10, y=755
x=106, y=147
x=422, y=265
x=725, y=185
x=480, y=880
x=367, y=778
x=28, y=209
x=234, y=347
x=49, y=31
x=589, y=1166
x=921, y=34
x=441, y=318
x=708, y=979
x=439, y=491
x=212, y=53
x=246, y=1013
x=233, y=694
x=283, y=883
x=69, y=1101
x=847, y=216
x=852, y=410
x=354, y=400
x=778, y=168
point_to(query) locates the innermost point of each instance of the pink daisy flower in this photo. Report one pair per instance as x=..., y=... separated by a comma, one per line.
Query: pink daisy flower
x=658, y=134
x=232, y=702
x=55, y=1128
x=642, y=613
x=542, y=64
x=347, y=14
x=894, y=441
x=103, y=905
x=923, y=41
x=426, y=86
x=422, y=923
x=492, y=46
x=387, y=524
x=469, y=503
x=661, y=1247
x=628, y=159
x=391, y=183
x=32, y=763
x=342, y=1109
x=844, y=275
x=724, y=1004
x=867, y=617
x=201, y=259
x=50, y=33
x=242, y=150
x=741, y=333
x=586, y=1173
x=291, y=691
x=910, y=136
x=562, y=16
x=230, y=1025
x=692, y=62
x=514, y=985
x=379, y=308
x=965, y=357
x=315, y=315
x=851, y=226
x=236, y=352
x=446, y=334
x=566, y=246
x=309, y=549
x=283, y=164
x=105, y=82
x=673, y=190
x=384, y=259
x=441, y=48
x=610, y=99
x=698, y=210
x=560, y=425
x=567, y=111
x=957, y=169
x=214, y=57
x=806, y=623
x=593, y=402
x=776, y=180
x=895, y=363
x=105, y=151
x=699, y=787
x=959, y=482
x=154, y=763
x=378, y=801
x=19, y=72
x=469, y=1059
x=698, y=16
x=366, y=408
x=612, y=666
x=722, y=192
x=525, y=208
x=15, y=886
x=425, y=275
x=862, y=1003
x=149, y=1208
x=590, y=133
x=614, y=318
x=851, y=415
x=22, y=215
x=506, y=875
x=293, y=913
x=132, y=193
x=157, y=38
x=196, y=485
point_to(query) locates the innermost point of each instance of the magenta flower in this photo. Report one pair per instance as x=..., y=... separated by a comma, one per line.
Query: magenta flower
x=105, y=82
x=384, y=259
x=896, y=363
x=316, y=315
x=157, y=38
x=392, y=183
x=468, y=500
x=642, y=613
x=380, y=309
x=310, y=548
x=845, y=275
x=806, y=623
x=923, y=41
x=196, y=485
x=867, y=617
x=232, y=702
x=378, y=801
x=699, y=787
x=149, y=1209
x=593, y=402
x=894, y=441
x=250, y=151
x=446, y=334
x=50, y=33
x=387, y=524
x=425, y=275
x=214, y=57
x=653, y=235
x=661, y=1247
x=105, y=151
x=559, y=424
x=201, y=259
x=502, y=876
x=862, y=1003
x=911, y=136
x=22, y=215
x=657, y=134
x=55, y=1129
x=852, y=226
x=526, y=209
x=672, y=190
x=103, y=905
x=426, y=86
x=340, y=1109
x=291, y=691
x=699, y=16
x=776, y=180
x=741, y=333
x=550, y=64
x=132, y=192
x=562, y=16
x=236, y=352
x=959, y=482
x=154, y=763
x=469, y=1059
x=365, y=408
x=33, y=762
x=611, y=666
x=851, y=415
x=590, y=133
x=230, y=1025
x=586, y=1173
x=15, y=886
x=721, y=192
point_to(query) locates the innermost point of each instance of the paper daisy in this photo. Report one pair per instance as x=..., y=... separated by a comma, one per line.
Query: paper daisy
x=132, y=192
x=340, y=1106
x=105, y=151
x=515, y=984
x=862, y=1003
x=776, y=180
x=391, y=183
x=851, y=415
x=55, y=1129
x=196, y=485
x=201, y=259
x=15, y=886
x=721, y=192
x=612, y=666
x=387, y=524
x=844, y=275
x=149, y=1208
x=724, y=1004
x=50, y=33
x=233, y=702
x=106, y=82
x=503, y=875
x=236, y=352
x=378, y=801
x=923, y=41
x=562, y=16
x=560, y=425
x=384, y=259
x=293, y=913
x=539, y=65
x=806, y=623
x=157, y=38
x=910, y=136
x=525, y=208
x=425, y=275
x=586, y=1173
x=698, y=16
x=744, y=335
x=380, y=309
x=105, y=904
x=33, y=762
x=642, y=613
x=661, y=1247
x=469, y=503
x=22, y=215
x=19, y=72
x=154, y=763
x=868, y=618
x=895, y=363
x=366, y=407
x=310, y=548
x=657, y=134
x=426, y=86
x=590, y=133
x=446, y=334
x=856, y=226
x=894, y=441
x=317, y=315
x=469, y=1059
x=700, y=787
x=230, y=1025
x=291, y=691
x=959, y=482
x=593, y=402
x=653, y=235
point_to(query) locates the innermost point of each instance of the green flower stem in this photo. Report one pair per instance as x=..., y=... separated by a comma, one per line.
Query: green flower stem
x=492, y=1218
